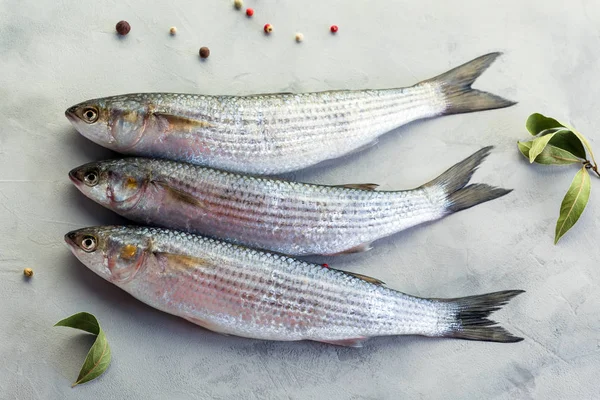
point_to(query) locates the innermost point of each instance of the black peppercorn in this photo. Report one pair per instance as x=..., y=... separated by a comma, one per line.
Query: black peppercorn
x=123, y=27
x=204, y=52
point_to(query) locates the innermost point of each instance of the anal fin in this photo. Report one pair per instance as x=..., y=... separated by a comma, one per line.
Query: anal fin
x=206, y=325
x=361, y=248
x=352, y=342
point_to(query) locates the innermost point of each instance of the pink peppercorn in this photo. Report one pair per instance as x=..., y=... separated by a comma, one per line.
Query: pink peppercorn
x=334, y=28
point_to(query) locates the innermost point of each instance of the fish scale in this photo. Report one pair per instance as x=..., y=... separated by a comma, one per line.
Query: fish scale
x=321, y=288
x=240, y=291
x=274, y=133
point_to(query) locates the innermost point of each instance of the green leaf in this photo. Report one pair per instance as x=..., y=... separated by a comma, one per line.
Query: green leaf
x=538, y=145
x=84, y=321
x=568, y=141
x=551, y=155
x=574, y=203
x=585, y=142
x=99, y=356
x=537, y=123
x=524, y=148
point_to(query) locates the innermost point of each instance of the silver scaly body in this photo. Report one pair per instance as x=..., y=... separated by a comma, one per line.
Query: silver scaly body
x=244, y=292
x=273, y=133
x=287, y=217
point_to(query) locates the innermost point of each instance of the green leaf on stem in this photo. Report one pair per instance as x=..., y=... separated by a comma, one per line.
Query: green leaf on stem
x=537, y=123
x=99, y=356
x=551, y=155
x=574, y=203
x=569, y=141
x=538, y=145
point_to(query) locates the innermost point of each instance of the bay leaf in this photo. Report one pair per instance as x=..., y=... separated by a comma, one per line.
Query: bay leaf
x=551, y=155
x=99, y=357
x=538, y=145
x=537, y=123
x=573, y=203
x=569, y=141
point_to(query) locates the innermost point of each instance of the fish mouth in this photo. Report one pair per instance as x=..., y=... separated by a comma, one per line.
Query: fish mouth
x=73, y=177
x=70, y=239
x=71, y=114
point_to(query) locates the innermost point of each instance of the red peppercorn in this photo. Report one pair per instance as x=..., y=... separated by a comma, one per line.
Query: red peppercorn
x=249, y=12
x=326, y=265
x=268, y=28
x=123, y=27
x=334, y=28
x=204, y=52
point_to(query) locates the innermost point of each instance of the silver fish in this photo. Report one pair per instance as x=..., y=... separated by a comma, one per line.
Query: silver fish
x=286, y=217
x=273, y=133
x=239, y=291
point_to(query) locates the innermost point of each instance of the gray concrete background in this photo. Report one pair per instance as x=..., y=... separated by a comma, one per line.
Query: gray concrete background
x=56, y=53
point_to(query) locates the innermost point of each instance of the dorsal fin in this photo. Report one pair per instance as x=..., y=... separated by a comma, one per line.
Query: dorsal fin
x=361, y=186
x=365, y=278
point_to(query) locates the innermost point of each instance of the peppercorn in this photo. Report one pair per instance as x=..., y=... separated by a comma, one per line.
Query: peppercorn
x=238, y=4
x=28, y=272
x=326, y=265
x=299, y=37
x=268, y=28
x=204, y=52
x=123, y=28
x=173, y=30
x=334, y=28
x=249, y=12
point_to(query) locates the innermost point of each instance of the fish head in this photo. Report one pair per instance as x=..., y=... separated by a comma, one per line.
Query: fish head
x=116, y=184
x=117, y=122
x=114, y=253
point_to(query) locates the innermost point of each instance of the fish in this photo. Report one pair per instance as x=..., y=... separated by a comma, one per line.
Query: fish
x=270, y=134
x=272, y=214
x=234, y=290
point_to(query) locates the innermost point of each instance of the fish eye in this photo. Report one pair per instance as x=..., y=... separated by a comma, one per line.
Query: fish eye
x=88, y=244
x=91, y=178
x=90, y=115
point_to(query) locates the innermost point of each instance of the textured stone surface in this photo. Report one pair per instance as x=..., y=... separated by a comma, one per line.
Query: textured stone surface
x=54, y=54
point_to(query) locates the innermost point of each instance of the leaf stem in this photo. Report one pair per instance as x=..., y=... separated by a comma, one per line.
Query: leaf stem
x=594, y=167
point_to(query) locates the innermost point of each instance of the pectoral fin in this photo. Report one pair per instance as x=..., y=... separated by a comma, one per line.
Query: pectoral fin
x=361, y=186
x=179, y=195
x=354, y=342
x=169, y=261
x=177, y=123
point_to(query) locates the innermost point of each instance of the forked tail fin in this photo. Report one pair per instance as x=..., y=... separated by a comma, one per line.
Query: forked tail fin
x=457, y=195
x=468, y=320
x=455, y=86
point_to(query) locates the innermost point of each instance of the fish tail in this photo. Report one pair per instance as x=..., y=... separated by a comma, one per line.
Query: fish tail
x=457, y=195
x=466, y=317
x=457, y=94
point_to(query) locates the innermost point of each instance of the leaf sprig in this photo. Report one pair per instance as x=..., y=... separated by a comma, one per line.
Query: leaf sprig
x=559, y=144
x=99, y=356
